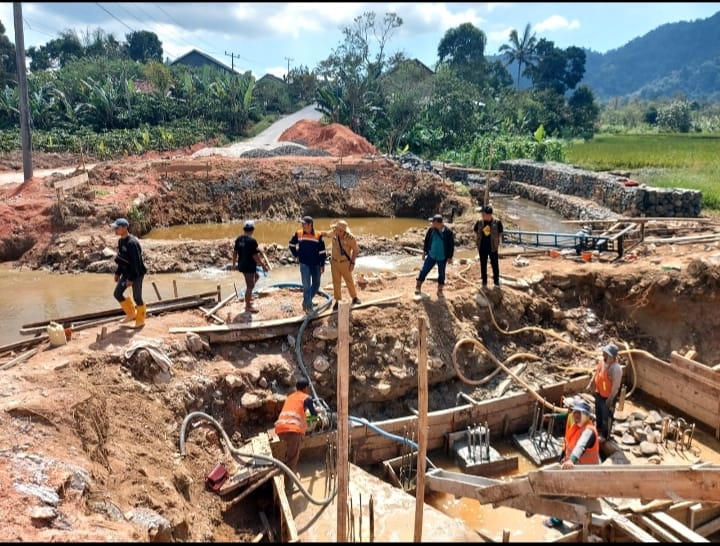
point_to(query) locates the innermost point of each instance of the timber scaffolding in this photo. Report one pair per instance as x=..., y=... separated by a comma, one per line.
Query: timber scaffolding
x=685, y=503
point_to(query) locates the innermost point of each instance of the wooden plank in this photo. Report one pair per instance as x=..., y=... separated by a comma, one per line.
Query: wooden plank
x=634, y=531
x=265, y=329
x=422, y=428
x=342, y=464
x=22, y=345
x=676, y=359
x=533, y=504
x=73, y=182
x=19, y=359
x=656, y=529
x=709, y=528
x=112, y=312
x=287, y=521
x=685, y=533
x=687, y=391
x=676, y=482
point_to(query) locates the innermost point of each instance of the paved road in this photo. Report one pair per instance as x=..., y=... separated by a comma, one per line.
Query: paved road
x=272, y=133
x=267, y=140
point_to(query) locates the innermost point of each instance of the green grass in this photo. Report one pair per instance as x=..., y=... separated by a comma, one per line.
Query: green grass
x=666, y=161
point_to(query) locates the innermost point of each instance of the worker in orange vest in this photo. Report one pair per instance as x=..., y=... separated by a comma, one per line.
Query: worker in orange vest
x=291, y=425
x=605, y=384
x=582, y=445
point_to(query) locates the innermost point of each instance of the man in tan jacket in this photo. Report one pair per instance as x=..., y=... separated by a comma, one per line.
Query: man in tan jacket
x=342, y=261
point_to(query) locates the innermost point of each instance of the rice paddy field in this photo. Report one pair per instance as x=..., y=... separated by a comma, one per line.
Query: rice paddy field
x=690, y=161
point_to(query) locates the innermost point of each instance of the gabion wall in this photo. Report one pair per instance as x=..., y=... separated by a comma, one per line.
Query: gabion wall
x=605, y=189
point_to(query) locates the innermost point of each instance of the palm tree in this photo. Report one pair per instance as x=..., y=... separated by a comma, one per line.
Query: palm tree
x=520, y=51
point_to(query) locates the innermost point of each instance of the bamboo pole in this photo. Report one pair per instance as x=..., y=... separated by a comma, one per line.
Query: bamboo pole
x=343, y=434
x=157, y=292
x=422, y=428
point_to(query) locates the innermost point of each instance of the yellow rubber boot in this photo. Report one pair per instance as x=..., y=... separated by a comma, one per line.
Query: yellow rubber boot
x=140, y=317
x=129, y=307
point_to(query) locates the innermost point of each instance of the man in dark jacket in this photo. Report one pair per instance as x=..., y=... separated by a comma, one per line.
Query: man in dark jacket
x=488, y=234
x=438, y=249
x=130, y=272
x=308, y=247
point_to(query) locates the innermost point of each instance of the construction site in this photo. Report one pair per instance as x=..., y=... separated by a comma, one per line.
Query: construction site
x=440, y=408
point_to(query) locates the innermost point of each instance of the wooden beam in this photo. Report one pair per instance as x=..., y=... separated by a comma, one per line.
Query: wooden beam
x=636, y=481
x=633, y=530
x=422, y=428
x=533, y=504
x=656, y=529
x=72, y=182
x=287, y=521
x=709, y=528
x=673, y=482
x=111, y=312
x=685, y=533
x=343, y=460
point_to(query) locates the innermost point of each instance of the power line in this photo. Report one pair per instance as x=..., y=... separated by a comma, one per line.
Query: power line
x=114, y=17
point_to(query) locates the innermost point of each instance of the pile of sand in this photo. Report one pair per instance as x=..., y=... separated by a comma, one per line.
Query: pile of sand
x=334, y=138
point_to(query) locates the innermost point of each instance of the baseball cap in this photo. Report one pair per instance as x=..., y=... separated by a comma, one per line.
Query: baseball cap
x=302, y=383
x=436, y=218
x=487, y=209
x=120, y=222
x=307, y=220
x=249, y=225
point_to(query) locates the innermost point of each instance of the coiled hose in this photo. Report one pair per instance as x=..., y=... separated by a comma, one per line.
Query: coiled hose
x=235, y=452
x=546, y=332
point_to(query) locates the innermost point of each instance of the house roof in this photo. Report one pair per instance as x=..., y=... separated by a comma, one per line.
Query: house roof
x=271, y=77
x=182, y=59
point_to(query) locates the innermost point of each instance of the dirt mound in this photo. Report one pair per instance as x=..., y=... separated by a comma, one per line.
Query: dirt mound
x=334, y=138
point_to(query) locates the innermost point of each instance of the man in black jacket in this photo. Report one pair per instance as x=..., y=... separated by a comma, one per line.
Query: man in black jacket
x=438, y=249
x=488, y=233
x=130, y=272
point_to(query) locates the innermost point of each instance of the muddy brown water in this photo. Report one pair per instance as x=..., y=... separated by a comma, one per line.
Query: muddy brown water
x=28, y=296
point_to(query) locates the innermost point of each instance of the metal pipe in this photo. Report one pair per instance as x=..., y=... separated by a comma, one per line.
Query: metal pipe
x=466, y=397
x=487, y=441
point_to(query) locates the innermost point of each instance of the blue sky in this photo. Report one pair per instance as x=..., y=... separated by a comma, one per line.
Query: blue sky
x=269, y=37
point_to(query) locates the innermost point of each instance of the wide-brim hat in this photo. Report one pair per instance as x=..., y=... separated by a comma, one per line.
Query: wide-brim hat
x=341, y=224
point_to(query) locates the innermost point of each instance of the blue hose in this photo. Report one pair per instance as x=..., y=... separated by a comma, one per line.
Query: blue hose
x=298, y=353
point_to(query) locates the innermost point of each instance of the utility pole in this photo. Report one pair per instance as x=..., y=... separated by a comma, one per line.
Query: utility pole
x=232, y=59
x=23, y=89
x=288, y=59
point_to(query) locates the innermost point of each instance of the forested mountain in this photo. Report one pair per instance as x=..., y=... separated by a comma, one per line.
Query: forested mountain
x=674, y=59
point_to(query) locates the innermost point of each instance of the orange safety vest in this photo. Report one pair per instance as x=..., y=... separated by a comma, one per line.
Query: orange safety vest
x=602, y=380
x=591, y=455
x=292, y=416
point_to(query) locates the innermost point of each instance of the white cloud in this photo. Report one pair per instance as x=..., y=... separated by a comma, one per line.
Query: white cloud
x=556, y=22
x=421, y=18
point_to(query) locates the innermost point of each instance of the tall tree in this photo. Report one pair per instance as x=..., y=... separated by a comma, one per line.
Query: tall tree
x=519, y=50
x=354, y=68
x=8, y=60
x=463, y=49
x=556, y=69
x=144, y=46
